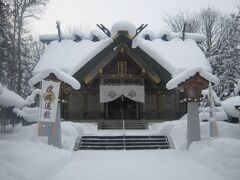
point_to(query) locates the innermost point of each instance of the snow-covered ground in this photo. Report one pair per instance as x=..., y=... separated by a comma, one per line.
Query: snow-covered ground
x=24, y=156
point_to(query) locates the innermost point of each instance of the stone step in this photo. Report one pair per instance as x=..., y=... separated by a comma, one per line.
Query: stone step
x=119, y=124
x=125, y=137
x=122, y=142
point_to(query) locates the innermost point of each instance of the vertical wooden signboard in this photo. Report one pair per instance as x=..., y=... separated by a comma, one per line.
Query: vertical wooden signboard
x=48, y=124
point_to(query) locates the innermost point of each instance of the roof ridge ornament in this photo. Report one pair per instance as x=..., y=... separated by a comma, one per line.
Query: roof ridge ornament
x=104, y=29
x=59, y=31
x=139, y=29
x=184, y=31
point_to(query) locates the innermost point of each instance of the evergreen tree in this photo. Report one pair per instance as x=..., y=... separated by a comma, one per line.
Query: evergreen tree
x=5, y=43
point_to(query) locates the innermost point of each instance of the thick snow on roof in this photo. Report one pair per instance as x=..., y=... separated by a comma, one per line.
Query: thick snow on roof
x=229, y=106
x=194, y=36
x=10, y=99
x=175, y=55
x=173, y=35
x=60, y=75
x=167, y=48
x=72, y=36
x=123, y=26
x=182, y=77
x=69, y=56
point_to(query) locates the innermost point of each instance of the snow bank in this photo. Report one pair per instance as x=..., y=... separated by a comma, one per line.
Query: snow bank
x=69, y=56
x=23, y=157
x=220, y=115
x=30, y=114
x=70, y=131
x=10, y=99
x=229, y=106
x=60, y=75
x=28, y=161
x=185, y=75
x=123, y=26
x=178, y=130
x=219, y=154
x=176, y=55
x=231, y=147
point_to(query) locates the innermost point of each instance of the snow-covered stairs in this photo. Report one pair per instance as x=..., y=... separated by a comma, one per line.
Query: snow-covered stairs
x=123, y=142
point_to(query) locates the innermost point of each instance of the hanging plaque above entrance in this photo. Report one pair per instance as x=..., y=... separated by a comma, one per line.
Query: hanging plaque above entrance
x=111, y=92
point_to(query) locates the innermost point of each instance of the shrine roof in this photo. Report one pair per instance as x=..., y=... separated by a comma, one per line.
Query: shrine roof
x=167, y=48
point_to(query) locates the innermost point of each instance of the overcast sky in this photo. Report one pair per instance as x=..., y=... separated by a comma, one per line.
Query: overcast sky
x=88, y=13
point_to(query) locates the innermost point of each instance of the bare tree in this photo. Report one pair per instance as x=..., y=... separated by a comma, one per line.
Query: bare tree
x=176, y=22
x=23, y=11
x=210, y=25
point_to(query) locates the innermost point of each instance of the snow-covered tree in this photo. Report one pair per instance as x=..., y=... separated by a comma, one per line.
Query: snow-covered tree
x=222, y=45
x=19, y=52
x=205, y=109
x=226, y=63
x=30, y=113
x=6, y=63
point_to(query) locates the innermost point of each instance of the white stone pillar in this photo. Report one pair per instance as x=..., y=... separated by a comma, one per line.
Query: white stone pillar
x=193, y=124
x=55, y=139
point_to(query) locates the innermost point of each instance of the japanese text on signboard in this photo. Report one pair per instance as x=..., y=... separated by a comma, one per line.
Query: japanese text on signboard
x=49, y=100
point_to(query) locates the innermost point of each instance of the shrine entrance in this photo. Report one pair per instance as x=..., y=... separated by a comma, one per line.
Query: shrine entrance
x=122, y=108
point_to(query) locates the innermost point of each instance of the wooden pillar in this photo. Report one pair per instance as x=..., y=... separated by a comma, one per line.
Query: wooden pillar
x=137, y=110
x=106, y=110
x=101, y=104
x=85, y=106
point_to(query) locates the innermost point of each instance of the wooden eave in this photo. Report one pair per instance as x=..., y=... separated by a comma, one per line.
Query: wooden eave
x=90, y=70
x=63, y=86
x=94, y=72
x=195, y=80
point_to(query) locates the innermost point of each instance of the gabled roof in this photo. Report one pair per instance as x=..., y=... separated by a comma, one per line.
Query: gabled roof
x=68, y=55
x=64, y=77
x=187, y=74
x=173, y=54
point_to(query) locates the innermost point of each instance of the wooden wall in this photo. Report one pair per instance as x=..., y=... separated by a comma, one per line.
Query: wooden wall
x=163, y=105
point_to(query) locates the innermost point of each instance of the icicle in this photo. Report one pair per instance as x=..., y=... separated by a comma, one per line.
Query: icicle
x=213, y=123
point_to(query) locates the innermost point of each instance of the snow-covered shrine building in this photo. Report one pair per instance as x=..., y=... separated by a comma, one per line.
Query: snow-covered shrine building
x=123, y=76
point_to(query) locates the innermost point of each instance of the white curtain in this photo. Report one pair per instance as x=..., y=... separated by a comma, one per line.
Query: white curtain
x=111, y=92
